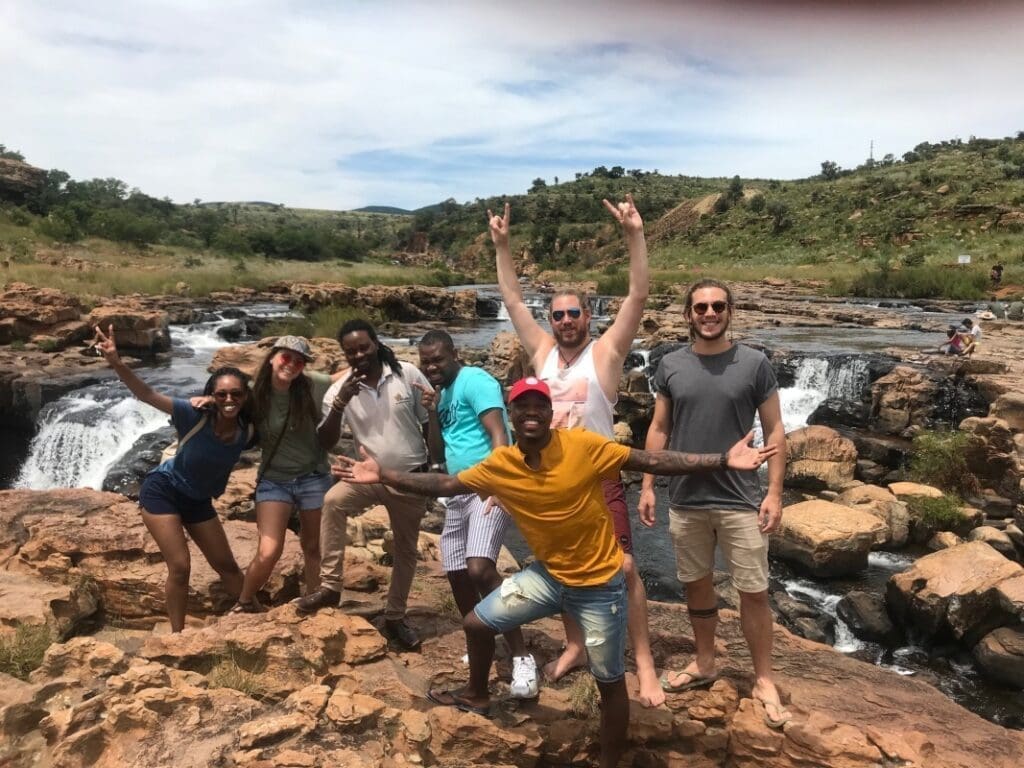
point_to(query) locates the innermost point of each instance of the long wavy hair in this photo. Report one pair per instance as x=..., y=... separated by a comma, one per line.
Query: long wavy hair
x=707, y=282
x=385, y=354
x=300, y=394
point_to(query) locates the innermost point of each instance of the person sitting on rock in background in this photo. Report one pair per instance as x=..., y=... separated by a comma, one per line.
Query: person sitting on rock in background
x=377, y=399
x=550, y=481
x=294, y=471
x=971, y=335
x=584, y=376
x=953, y=345
x=996, y=275
x=707, y=395
x=176, y=496
x=467, y=422
x=1015, y=311
x=997, y=308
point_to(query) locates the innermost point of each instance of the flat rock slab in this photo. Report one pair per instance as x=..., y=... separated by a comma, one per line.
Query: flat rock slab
x=828, y=539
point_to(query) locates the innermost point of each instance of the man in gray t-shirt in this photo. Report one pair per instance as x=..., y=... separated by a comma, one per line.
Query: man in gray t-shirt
x=707, y=395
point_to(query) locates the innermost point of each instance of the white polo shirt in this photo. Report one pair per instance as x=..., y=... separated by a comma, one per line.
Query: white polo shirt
x=387, y=420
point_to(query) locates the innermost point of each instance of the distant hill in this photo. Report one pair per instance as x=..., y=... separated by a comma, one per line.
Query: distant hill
x=390, y=209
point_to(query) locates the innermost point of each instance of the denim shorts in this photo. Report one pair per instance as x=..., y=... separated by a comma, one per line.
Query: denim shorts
x=305, y=492
x=158, y=496
x=600, y=611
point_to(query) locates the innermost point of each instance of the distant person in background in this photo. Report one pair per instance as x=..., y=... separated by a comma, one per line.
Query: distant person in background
x=468, y=422
x=584, y=375
x=971, y=335
x=294, y=472
x=953, y=345
x=1015, y=311
x=997, y=308
x=996, y=275
x=177, y=496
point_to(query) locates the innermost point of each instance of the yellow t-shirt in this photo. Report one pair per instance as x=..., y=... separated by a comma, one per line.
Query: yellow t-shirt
x=560, y=507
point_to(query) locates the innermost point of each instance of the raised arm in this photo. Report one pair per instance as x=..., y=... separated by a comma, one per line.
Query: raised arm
x=536, y=341
x=107, y=347
x=329, y=430
x=657, y=440
x=741, y=456
x=616, y=342
x=432, y=429
x=421, y=483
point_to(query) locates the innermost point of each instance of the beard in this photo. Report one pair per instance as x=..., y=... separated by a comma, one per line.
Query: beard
x=697, y=333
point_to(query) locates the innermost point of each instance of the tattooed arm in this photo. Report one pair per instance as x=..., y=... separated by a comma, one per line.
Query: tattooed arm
x=421, y=483
x=740, y=456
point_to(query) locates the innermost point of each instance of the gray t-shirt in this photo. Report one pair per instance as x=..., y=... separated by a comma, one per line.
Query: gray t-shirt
x=714, y=401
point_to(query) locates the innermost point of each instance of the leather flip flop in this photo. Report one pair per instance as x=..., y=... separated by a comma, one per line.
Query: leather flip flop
x=450, y=699
x=695, y=681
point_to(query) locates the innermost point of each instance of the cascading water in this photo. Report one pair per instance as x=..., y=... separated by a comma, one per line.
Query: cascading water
x=81, y=435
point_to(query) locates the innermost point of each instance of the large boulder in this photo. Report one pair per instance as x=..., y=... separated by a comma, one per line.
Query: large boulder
x=67, y=536
x=508, y=361
x=1010, y=408
x=18, y=179
x=47, y=316
x=827, y=539
x=998, y=540
x=884, y=505
x=135, y=327
x=867, y=618
x=991, y=454
x=1000, y=654
x=964, y=592
x=901, y=398
x=818, y=457
x=26, y=599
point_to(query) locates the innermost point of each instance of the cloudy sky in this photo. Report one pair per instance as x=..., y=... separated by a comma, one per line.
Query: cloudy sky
x=335, y=104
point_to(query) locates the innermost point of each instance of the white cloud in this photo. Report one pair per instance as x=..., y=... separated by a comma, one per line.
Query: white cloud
x=341, y=105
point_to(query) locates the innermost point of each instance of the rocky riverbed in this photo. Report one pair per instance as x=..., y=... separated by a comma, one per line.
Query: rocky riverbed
x=79, y=563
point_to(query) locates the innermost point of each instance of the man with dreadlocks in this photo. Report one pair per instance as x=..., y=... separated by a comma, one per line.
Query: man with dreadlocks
x=379, y=400
x=707, y=395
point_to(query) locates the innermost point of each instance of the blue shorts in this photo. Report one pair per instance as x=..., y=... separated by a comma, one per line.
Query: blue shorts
x=600, y=611
x=305, y=493
x=158, y=496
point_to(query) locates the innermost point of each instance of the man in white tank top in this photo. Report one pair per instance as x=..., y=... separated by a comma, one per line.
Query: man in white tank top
x=583, y=375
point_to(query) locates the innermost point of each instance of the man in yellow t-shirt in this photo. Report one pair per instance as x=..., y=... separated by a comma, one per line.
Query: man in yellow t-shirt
x=550, y=482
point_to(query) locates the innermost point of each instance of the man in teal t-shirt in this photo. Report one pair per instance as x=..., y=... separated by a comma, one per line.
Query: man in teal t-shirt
x=467, y=422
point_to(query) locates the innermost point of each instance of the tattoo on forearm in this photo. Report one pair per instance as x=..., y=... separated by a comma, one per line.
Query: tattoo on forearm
x=421, y=483
x=672, y=462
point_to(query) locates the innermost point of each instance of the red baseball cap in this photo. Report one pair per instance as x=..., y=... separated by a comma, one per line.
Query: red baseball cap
x=529, y=384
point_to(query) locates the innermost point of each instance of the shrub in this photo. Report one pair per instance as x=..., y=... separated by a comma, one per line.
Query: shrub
x=923, y=282
x=939, y=459
x=938, y=514
x=613, y=285
x=323, y=322
x=913, y=259
x=241, y=674
x=22, y=652
x=757, y=203
x=62, y=225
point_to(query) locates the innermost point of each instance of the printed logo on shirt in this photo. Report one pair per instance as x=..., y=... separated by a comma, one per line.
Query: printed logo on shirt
x=568, y=401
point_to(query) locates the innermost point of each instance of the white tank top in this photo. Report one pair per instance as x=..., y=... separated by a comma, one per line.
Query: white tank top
x=576, y=394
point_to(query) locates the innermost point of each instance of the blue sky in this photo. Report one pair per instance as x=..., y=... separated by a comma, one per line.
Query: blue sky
x=344, y=104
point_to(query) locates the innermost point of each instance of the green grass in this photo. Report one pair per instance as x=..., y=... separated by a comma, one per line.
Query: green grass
x=324, y=322
x=22, y=652
x=938, y=459
x=939, y=514
x=921, y=282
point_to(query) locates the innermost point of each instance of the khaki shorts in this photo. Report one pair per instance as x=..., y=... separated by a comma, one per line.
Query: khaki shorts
x=695, y=533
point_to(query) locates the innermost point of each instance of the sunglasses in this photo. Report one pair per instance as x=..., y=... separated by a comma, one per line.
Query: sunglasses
x=292, y=358
x=574, y=313
x=234, y=394
x=701, y=307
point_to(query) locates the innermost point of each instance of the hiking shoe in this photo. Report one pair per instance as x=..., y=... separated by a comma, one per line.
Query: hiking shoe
x=249, y=606
x=524, y=678
x=317, y=599
x=401, y=633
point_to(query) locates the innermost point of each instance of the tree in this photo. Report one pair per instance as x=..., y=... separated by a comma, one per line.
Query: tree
x=830, y=170
x=10, y=154
x=779, y=212
x=616, y=172
x=538, y=184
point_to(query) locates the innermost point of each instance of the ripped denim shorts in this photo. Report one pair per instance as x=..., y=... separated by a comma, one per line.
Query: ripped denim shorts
x=600, y=611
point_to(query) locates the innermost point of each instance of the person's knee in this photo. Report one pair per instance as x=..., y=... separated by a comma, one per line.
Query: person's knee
x=310, y=544
x=754, y=600
x=472, y=625
x=482, y=573
x=179, y=570
x=270, y=548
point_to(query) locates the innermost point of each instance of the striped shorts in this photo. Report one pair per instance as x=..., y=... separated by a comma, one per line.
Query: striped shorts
x=468, y=532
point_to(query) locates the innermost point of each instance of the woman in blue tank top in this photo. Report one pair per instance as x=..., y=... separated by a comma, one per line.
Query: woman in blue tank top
x=177, y=496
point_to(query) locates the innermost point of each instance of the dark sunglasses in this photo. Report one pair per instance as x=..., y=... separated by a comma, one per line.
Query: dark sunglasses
x=234, y=394
x=574, y=313
x=701, y=307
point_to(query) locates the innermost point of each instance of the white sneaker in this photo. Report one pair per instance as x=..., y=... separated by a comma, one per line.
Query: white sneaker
x=524, y=678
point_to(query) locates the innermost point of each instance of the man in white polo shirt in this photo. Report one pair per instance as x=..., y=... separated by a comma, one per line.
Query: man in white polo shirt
x=379, y=400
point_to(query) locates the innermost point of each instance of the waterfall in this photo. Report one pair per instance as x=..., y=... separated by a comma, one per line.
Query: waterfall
x=818, y=379
x=81, y=435
x=502, y=312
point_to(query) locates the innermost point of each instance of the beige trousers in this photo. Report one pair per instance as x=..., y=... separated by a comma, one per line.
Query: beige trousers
x=405, y=511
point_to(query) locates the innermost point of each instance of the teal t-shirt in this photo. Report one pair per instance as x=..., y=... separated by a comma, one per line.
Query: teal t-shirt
x=473, y=392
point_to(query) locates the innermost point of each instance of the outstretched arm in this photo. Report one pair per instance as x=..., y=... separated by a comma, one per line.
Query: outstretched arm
x=106, y=346
x=741, y=456
x=422, y=483
x=536, y=341
x=618, y=339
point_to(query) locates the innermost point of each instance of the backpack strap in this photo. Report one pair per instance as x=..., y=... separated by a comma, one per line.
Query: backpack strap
x=192, y=432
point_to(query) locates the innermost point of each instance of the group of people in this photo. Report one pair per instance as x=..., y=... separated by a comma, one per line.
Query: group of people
x=443, y=430
x=962, y=339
